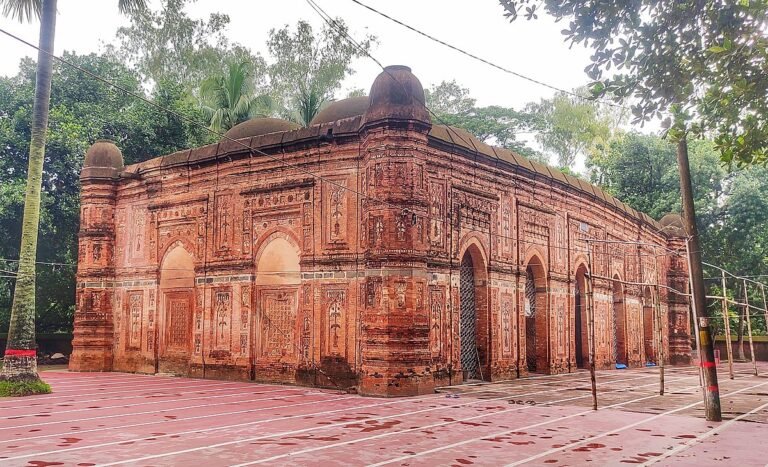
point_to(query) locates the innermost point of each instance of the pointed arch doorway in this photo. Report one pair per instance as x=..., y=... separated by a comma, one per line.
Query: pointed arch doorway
x=581, y=337
x=474, y=337
x=536, y=317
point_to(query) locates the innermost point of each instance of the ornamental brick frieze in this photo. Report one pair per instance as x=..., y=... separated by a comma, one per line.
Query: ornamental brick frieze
x=182, y=262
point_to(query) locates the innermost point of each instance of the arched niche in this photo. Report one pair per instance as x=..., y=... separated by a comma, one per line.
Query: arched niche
x=177, y=270
x=278, y=263
x=176, y=302
x=277, y=281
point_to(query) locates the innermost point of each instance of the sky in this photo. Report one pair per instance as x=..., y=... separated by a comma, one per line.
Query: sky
x=534, y=48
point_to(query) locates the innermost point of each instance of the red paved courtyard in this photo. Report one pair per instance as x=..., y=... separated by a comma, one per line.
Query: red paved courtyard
x=115, y=418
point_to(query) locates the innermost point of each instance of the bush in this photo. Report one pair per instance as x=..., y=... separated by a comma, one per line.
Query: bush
x=16, y=387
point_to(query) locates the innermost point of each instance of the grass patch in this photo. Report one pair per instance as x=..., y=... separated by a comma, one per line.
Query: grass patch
x=18, y=388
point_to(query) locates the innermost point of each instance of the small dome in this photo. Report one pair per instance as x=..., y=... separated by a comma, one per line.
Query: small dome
x=397, y=94
x=260, y=126
x=673, y=224
x=345, y=108
x=104, y=154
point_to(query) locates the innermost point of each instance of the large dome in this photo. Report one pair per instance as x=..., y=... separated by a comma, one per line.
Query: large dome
x=344, y=108
x=397, y=94
x=260, y=126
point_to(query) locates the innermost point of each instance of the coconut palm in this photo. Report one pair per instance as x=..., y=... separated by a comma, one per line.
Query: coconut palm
x=227, y=99
x=308, y=103
x=20, y=356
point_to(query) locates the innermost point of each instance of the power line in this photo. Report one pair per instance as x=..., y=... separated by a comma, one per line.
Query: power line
x=480, y=59
x=253, y=150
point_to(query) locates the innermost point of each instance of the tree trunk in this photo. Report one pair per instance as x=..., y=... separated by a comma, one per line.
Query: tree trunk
x=21, y=350
x=712, y=407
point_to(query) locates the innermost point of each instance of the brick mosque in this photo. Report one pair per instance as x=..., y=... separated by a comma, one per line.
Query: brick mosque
x=374, y=249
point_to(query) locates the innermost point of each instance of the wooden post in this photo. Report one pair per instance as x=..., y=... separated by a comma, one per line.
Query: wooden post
x=749, y=326
x=727, y=326
x=591, y=326
x=660, y=327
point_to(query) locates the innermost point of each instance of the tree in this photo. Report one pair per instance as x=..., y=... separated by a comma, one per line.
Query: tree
x=168, y=45
x=569, y=127
x=20, y=358
x=227, y=99
x=308, y=104
x=703, y=63
x=307, y=68
x=640, y=170
x=495, y=125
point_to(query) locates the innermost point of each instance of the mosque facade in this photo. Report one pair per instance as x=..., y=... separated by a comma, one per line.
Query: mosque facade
x=374, y=250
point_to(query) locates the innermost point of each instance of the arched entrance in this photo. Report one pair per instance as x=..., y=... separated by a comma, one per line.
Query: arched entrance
x=177, y=284
x=581, y=337
x=648, y=326
x=473, y=316
x=536, y=318
x=619, y=323
x=278, y=276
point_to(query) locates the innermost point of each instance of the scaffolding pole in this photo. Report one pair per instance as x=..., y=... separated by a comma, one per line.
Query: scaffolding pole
x=749, y=327
x=727, y=326
x=660, y=331
x=591, y=326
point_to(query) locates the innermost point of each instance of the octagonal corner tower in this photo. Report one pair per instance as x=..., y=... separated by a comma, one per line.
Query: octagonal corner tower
x=373, y=250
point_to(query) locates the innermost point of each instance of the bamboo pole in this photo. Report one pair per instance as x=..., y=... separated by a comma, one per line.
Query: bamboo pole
x=765, y=306
x=749, y=327
x=591, y=326
x=727, y=326
x=660, y=328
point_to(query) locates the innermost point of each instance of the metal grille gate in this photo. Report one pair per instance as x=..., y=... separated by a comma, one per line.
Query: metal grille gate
x=468, y=317
x=530, y=320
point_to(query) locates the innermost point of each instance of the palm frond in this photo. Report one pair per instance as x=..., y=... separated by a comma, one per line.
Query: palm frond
x=129, y=7
x=22, y=10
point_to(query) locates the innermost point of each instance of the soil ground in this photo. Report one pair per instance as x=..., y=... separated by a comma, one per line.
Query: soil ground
x=116, y=418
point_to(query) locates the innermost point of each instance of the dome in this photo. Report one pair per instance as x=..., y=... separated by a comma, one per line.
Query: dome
x=259, y=126
x=104, y=154
x=344, y=108
x=103, y=161
x=673, y=224
x=397, y=94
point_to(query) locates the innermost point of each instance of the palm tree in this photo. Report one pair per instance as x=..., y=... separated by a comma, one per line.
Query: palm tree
x=226, y=99
x=20, y=358
x=308, y=103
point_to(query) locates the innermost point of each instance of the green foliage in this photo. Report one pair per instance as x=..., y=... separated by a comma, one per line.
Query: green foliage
x=227, y=99
x=700, y=64
x=167, y=45
x=641, y=170
x=82, y=110
x=308, y=103
x=308, y=64
x=568, y=127
x=13, y=388
x=495, y=125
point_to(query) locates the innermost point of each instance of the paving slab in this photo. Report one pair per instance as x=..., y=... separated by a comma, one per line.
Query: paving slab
x=129, y=419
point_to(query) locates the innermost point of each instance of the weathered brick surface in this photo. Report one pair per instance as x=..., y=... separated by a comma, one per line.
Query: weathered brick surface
x=228, y=265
